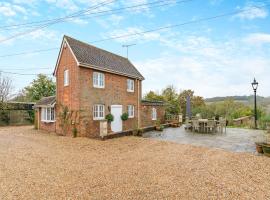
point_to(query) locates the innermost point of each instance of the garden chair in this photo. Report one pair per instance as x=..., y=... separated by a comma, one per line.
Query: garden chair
x=195, y=125
x=211, y=126
x=222, y=125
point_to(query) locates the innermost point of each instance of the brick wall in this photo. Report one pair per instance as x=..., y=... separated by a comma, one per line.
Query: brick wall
x=46, y=126
x=67, y=95
x=114, y=93
x=146, y=115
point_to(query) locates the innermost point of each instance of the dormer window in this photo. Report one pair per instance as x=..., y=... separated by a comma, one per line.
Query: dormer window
x=66, y=77
x=98, y=80
x=130, y=85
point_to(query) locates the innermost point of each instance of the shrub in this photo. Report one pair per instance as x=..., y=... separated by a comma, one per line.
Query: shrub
x=4, y=116
x=31, y=115
x=124, y=116
x=74, y=131
x=109, y=117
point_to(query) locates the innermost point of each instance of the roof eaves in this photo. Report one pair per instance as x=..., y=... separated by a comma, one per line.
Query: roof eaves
x=110, y=71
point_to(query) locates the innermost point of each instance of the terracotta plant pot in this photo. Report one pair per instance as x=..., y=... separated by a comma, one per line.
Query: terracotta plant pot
x=266, y=149
x=259, y=147
x=158, y=128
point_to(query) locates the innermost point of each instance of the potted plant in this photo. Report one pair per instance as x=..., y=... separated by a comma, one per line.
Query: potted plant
x=260, y=140
x=268, y=127
x=266, y=146
x=266, y=149
x=124, y=116
x=159, y=127
x=109, y=117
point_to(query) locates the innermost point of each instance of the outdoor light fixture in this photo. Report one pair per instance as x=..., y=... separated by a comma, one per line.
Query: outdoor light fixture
x=255, y=86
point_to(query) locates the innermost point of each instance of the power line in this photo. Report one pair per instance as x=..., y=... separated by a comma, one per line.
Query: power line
x=150, y=30
x=21, y=69
x=173, y=26
x=5, y=72
x=99, y=12
x=29, y=52
x=54, y=22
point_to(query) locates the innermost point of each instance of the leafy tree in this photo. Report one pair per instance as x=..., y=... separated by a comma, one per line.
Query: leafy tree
x=197, y=102
x=153, y=96
x=42, y=86
x=170, y=96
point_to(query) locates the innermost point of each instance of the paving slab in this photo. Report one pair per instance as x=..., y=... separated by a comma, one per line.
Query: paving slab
x=235, y=139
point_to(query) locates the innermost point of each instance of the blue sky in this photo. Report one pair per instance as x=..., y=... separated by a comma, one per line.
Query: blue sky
x=214, y=58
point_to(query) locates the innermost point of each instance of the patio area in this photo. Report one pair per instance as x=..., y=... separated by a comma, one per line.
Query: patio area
x=234, y=140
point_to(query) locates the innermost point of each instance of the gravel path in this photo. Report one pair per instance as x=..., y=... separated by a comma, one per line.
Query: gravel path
x=36, y=165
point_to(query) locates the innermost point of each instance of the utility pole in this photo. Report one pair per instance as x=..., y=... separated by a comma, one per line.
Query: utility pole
x=127, y=46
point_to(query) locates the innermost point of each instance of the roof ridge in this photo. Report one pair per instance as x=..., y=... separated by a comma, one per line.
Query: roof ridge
x=85, y=43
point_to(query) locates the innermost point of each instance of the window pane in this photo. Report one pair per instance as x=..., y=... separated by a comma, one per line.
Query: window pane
x=52, y=113
x=66, y=77
x=48, y=114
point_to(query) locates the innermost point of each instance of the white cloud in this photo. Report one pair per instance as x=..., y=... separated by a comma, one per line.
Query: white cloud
x=211, y=68
x=9, y=10
x=116, y=19
x=42, y=35
x=64, y=4
x=253, y=11
x=257, y=38
x=132, y=34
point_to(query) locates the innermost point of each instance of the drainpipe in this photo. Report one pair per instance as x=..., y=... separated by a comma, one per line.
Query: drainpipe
x=139, y=124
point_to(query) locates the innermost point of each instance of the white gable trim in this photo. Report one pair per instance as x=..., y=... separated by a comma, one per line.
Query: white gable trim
x=64, y=41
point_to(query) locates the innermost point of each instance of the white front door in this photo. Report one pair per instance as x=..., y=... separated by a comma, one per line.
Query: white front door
x=116, y=124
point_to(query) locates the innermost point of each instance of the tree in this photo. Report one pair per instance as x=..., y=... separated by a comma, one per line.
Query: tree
x=196, y=101
x=170, y=96
x=5, y=88
x=43, y=86
x=153, y=96
x=5, y=92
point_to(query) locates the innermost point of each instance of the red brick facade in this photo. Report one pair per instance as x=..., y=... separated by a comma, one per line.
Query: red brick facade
x=48, y=126
x=146, y=115
x=80, y=96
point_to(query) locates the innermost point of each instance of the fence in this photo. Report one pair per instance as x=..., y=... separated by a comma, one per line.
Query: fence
x=16, y=113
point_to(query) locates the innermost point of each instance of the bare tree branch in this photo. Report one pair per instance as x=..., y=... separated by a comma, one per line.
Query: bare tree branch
x=5, y=88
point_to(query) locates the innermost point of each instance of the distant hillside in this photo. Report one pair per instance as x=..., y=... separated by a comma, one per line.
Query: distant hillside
x=248, y=100
x=239, y=98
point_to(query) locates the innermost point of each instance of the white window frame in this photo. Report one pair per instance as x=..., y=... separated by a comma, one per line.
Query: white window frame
x=130, y=111
x=98, y=112
x=98, y=80
x=154, y=114
x=48, y=114
x=130, y=85
x=66, y=77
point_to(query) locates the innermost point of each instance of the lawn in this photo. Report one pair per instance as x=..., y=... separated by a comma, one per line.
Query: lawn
x=37, y=165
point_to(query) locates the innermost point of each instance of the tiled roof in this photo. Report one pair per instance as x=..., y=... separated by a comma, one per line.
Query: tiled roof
x=46, y=101
x=152, y=103
x=87, y=54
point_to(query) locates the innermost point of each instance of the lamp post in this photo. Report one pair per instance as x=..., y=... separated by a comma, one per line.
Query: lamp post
x=255, y=86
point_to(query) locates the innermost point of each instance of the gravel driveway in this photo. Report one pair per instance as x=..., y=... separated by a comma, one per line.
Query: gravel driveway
x=37, y=165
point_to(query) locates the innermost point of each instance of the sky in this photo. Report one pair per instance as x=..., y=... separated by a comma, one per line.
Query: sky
x=217, y=57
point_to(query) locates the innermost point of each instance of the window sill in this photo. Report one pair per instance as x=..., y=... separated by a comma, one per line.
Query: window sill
x=99, y=87
x=130, y=117
x=98, y=119
x=48, y=121
x=131, y=91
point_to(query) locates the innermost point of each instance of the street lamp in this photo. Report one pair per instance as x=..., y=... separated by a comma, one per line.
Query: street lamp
x=255, y=86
